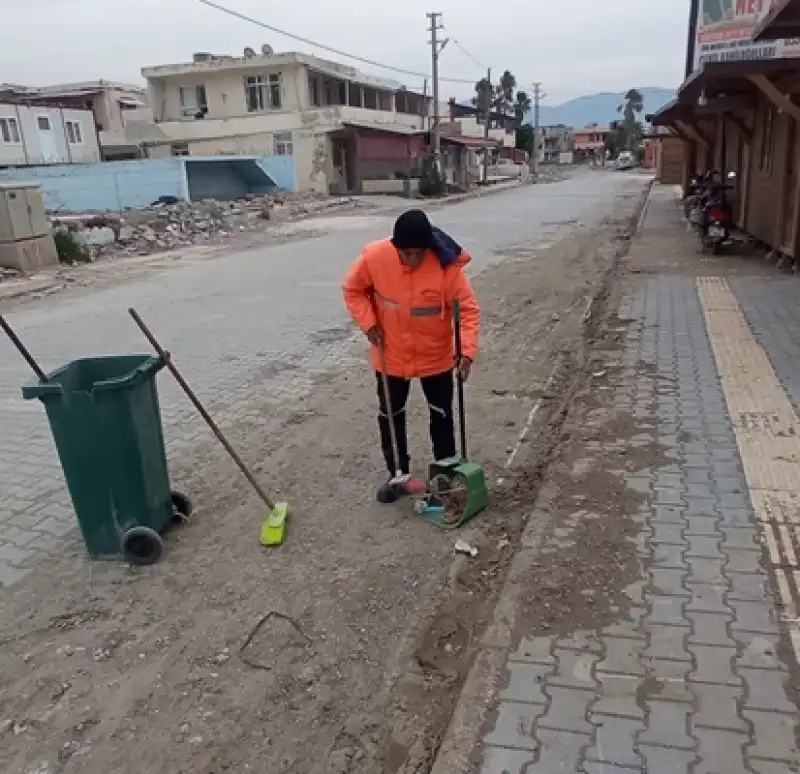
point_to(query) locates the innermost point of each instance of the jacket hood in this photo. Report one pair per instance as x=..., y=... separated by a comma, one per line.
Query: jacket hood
x=447, y=250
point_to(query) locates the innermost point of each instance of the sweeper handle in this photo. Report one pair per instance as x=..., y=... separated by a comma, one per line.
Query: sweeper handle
x=22, y=349
x=165, y=356
x=462, y=422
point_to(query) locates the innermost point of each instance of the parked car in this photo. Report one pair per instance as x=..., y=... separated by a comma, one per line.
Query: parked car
x=625, y=160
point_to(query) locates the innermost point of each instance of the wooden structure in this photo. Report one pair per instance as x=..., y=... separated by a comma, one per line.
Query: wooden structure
x=742, y=117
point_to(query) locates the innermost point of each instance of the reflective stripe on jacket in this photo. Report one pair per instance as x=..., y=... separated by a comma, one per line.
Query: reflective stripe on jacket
x=414, y=307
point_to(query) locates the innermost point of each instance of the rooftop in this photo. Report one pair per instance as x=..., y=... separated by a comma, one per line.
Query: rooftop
x=204, y=63
x=69, y=89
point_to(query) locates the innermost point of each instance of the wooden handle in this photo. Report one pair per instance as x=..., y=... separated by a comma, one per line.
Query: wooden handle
x=165, y=356
x=22, y=349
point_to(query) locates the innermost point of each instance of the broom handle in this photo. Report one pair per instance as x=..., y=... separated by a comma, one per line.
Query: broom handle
x=200, y=408
x=22, y=349
x=389, y=411
x=462, y=420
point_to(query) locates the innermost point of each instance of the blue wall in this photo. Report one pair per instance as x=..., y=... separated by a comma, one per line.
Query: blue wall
x=226, y=179
x=121, y=185
x=113, y=185
x=281, y=169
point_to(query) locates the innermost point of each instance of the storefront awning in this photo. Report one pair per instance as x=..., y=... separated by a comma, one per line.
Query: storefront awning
x=669, y=113
x=715, y=79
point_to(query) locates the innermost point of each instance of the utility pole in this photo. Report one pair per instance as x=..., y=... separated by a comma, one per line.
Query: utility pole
x=424, y=113
x=436, y=48
x=537, y=96
x=487, y=118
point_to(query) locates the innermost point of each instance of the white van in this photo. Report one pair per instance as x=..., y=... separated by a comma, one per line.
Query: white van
x=625, y=160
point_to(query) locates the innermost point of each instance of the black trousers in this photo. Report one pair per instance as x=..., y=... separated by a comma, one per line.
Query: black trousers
x=438, y=392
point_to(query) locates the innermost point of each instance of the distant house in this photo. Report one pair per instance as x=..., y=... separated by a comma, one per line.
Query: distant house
x=117, y=109
x=469, y=121
x=591, y=138
x=41, y=135
x=555, y=142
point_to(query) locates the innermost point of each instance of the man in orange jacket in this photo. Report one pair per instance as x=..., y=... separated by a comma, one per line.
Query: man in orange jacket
x=400, y=292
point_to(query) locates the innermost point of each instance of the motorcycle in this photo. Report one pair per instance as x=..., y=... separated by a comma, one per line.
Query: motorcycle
x=694, y=192
x=709, y=215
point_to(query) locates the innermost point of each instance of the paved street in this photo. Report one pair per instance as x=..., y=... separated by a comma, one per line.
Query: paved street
x=232, y=323
x=695, y=672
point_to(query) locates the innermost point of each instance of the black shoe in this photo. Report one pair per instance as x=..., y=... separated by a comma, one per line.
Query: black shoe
x=387, y=494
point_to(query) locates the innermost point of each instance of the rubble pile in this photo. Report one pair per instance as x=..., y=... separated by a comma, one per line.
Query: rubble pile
x=171, y=223
x=9, y=274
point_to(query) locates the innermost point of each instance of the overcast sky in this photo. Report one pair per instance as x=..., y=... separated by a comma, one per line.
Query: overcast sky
x=573, y=46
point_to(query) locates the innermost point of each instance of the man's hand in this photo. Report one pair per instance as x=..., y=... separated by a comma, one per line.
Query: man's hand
x=375, y=336
x=464, y=367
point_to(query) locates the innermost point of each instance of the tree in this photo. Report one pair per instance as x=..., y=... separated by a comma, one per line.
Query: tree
x=522, y=107
x=631, y=127
x=484, y=94
x=504, y=91
x=524, y=138
x=498, y=97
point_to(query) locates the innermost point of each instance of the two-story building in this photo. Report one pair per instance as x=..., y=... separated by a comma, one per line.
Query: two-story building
x=591, y=140
x=555, y=144
x=42, y=135
x=268, y=103
x=118, y=109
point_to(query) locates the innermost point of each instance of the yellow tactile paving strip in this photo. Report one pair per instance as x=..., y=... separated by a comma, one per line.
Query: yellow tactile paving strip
x=767, y=432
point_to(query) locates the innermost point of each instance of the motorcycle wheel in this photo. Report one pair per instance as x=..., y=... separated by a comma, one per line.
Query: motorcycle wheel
x=715, y=246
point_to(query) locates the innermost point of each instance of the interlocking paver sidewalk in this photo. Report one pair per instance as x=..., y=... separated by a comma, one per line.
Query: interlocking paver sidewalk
x=696, y=678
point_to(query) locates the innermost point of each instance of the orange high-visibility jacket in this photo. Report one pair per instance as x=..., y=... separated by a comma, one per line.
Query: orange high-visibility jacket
x=414, y=306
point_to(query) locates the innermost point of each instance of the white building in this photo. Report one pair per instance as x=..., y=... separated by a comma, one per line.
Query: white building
x=34, y=135
x=119, y=110
x=265, y=104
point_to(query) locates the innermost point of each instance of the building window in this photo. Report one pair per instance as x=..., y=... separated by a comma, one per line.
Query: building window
x=43, y=122
x=74, y=134
x=263, y=92
x=766, y=139
x=193, y=101
x=283, y=144
x=9, y=131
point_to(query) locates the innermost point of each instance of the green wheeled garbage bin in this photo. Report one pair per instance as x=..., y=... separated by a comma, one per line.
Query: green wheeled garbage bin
x=105, y=419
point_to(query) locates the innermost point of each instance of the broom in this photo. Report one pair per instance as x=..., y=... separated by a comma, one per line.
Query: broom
x=273, y=529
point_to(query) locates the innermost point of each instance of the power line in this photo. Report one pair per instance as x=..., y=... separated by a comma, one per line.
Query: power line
x=315, y=44
x=464, y=51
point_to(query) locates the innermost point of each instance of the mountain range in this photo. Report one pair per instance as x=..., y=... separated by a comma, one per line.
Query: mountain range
x=599, y=108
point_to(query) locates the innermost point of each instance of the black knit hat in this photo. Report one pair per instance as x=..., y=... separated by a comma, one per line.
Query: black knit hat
x=412, y=231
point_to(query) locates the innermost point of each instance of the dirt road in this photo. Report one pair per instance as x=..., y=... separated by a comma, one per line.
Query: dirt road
x=166, y=669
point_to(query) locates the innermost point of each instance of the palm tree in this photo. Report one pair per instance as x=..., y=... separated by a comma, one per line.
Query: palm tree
x=522, y=107
x=633, y=105
x=504, y=92
x=483, y=95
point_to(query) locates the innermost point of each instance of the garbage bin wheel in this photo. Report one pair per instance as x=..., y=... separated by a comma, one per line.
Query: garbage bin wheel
x=182, y=507
x=142, y=546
